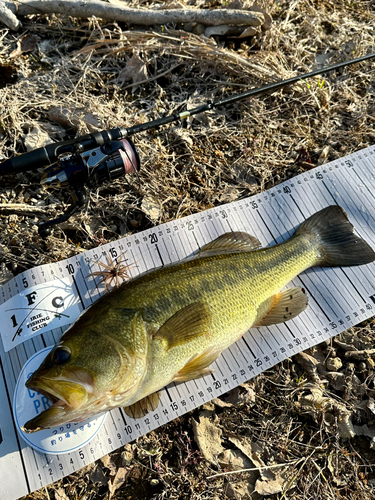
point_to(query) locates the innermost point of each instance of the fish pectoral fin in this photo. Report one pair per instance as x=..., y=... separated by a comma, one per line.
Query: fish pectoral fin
x=186, y=324
x=197, y=366
x=282, y=307
x=143, y=406
x=230, y=243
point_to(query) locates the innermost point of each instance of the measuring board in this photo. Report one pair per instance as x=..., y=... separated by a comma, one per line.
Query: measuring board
x=338, y=299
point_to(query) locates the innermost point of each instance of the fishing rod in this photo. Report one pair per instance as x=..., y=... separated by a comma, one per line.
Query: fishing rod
x=108, y=155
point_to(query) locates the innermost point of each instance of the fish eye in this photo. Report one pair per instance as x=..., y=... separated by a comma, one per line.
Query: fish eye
x=61, y=355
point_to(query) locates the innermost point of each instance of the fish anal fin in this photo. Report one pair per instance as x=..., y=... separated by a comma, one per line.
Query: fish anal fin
x=186, y=324
x=230, y=243
x=143, y=406
x=282, y=307
x=197, y=366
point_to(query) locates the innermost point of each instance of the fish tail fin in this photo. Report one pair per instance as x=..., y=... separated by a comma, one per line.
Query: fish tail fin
x=338, y=245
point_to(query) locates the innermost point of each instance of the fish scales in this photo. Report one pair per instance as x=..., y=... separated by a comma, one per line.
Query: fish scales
x=234, y=285
x=172, y=323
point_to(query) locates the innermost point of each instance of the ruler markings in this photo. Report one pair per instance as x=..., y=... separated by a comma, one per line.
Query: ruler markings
x=327, y=280
x=258, y=348
x=345, y=273
x=15, y=439
x=287, y=229
x=353, y=216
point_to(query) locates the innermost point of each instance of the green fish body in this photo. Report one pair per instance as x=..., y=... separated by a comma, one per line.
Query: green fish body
x=172, y=323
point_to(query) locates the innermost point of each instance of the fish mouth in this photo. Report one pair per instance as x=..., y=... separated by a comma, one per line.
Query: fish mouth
x=68, y=396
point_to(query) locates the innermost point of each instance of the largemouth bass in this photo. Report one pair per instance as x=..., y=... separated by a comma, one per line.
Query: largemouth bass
x=171, y=324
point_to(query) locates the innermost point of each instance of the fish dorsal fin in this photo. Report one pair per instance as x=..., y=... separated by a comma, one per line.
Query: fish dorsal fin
x=230, y=243
x=186, y=324
x=143, y=406
x=282, y=307
x=197, y=366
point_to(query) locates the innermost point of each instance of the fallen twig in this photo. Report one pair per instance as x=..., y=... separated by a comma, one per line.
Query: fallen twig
x=8, y=17
x=266, y=467
x=364, y=354
x=148, y=17
x=23, y=209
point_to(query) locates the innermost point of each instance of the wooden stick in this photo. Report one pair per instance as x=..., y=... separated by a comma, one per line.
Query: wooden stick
x=148, y=17
x=8, y=18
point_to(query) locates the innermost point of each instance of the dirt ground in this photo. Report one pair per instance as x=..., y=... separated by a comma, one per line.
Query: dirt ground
x=307, y=426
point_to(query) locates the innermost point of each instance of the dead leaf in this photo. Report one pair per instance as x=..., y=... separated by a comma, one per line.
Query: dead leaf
x=98, y=476
x=243, y=394
x=92, y=226
x=60, y=494
x=74, y=117
x=239, y=491
x=207, y=435
x=27, y=43
x=117, y=481
x=135, y=71
x=267, y=18
x=220, y=403
x=127, y=455
x=36, y=138
x=235, y=4
x=333, y=412
x=109, y=464
x=5, y=274
x=371, y=404
x=250, y=31
x=235, y=460
x=151, y=207
x=221, y=30
x=271, y=486
x=344, y=425
x=270, y=481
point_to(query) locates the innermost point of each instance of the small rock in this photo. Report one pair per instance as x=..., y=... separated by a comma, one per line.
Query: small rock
x=333, y=364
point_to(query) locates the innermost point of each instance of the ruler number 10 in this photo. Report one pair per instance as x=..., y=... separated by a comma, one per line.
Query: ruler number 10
x=70, y=268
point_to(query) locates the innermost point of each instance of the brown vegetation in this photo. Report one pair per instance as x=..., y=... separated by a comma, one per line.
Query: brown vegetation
x=310, y=418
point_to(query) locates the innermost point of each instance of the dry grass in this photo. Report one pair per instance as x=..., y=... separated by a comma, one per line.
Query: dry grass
x=215, y=158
